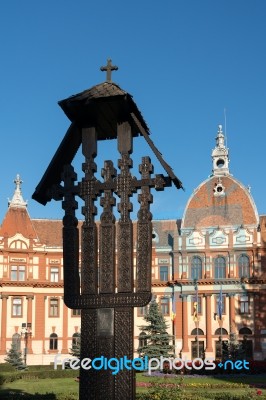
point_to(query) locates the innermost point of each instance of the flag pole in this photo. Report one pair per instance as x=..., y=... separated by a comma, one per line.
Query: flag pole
x=173, y=315
x=220, y=312
x=197, y=300
x=196, y=316
x=221, y=341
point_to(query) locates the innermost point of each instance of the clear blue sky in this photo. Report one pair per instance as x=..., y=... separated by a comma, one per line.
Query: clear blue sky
x=184, y=62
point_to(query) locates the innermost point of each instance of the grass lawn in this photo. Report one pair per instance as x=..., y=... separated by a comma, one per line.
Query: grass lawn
x=59, y=386
x=68, y=386
x=216, y=379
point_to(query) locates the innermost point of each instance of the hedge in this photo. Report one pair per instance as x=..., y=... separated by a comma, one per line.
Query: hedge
x=37, y=396
x=34, y=375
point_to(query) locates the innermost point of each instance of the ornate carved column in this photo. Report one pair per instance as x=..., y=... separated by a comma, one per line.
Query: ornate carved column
x=185, y=347
x=208, y=324
x=4, y=298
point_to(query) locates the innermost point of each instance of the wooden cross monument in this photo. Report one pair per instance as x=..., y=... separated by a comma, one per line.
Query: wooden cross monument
x=108, y=291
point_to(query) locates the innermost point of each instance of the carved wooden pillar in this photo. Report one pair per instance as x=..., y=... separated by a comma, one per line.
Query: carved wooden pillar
x=124, y=327
x=90, y=345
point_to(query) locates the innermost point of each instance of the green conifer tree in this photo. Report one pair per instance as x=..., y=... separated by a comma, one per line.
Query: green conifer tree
x=154, y=339
x=75, y=349
x=233, y=349
x=14, y=358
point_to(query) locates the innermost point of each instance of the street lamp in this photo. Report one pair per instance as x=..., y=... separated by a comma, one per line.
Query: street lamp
x=26, y=333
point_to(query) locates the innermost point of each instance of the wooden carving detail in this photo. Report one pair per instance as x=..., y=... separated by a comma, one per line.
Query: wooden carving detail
x=107, y=293
x=107, y=233
x=107, y=290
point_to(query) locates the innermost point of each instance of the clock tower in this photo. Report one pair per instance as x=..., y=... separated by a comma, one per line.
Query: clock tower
x=220, y=156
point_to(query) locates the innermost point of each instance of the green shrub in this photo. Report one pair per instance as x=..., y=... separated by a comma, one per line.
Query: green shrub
x=6, y=367
x=34, y=375
x=163, y=391
x=41, y=367
x=189, y=396
x=37, y=396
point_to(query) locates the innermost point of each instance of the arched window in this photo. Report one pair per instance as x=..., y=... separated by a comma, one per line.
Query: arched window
x=142, y=339
x=196, y=268
x=245, y=331
x=243, y=266
x=196, y=331
x=16, y=341
x=53, y=341
x=220, y=331
x=75, y=339
x=219, y=268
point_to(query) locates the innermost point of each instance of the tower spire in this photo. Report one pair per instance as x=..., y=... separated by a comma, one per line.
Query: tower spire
x=17, y=199
x=220, y=155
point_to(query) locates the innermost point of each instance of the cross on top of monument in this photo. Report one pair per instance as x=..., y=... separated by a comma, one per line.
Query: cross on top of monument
x=109, y=68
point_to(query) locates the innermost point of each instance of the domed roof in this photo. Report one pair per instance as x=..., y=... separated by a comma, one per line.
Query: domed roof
x=221, y=200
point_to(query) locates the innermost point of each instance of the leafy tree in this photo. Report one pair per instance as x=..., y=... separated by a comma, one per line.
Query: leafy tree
x=154, y=339
x=233, y=349
x=14, y=358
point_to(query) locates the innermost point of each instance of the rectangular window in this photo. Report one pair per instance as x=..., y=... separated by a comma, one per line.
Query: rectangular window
x=54, y=274
x=54, y=308
x=18, y=273
x=142, y=311
x=244, y=305
x=163, y=273
x=16, y=307
x=165, y=305
x=76, y=313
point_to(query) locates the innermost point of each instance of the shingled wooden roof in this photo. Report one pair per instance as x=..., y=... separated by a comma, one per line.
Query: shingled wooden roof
x=103, y=107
